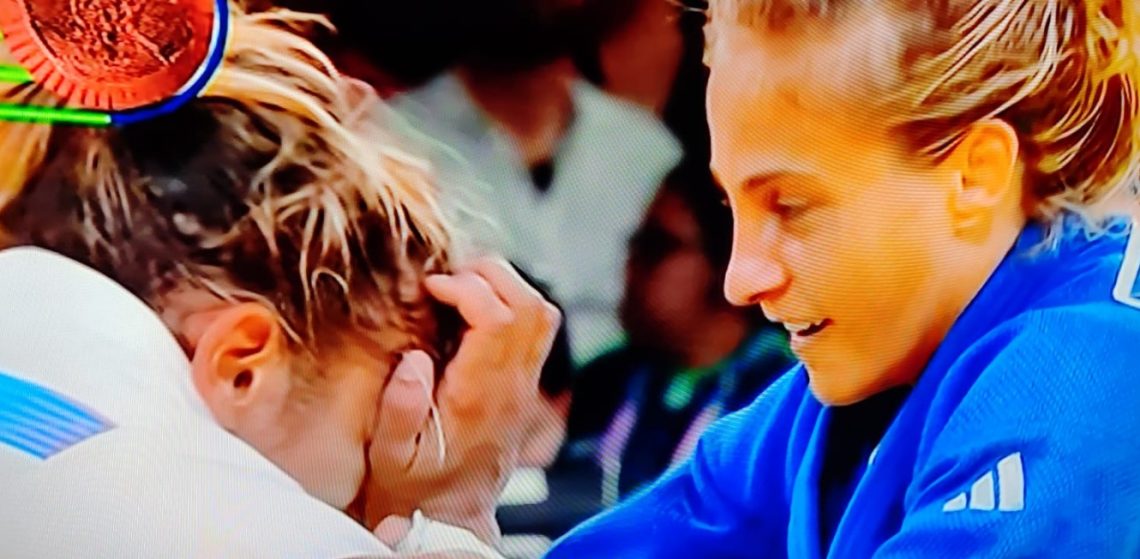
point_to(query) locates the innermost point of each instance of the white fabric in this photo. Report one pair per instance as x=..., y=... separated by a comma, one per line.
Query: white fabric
x=573, y=237
x=166, y=481
x=429, y=536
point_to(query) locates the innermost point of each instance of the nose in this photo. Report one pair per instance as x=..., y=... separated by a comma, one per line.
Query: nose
x=755, y=271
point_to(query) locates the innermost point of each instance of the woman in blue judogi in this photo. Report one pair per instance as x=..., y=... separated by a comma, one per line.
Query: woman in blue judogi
x=924, y=195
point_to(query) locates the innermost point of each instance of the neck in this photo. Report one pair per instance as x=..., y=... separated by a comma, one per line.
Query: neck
x=715, y=339
x=534, y=107
x=974, y=267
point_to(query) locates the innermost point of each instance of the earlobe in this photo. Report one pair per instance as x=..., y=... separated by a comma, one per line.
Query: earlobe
x=988, y=170
x=237, y=357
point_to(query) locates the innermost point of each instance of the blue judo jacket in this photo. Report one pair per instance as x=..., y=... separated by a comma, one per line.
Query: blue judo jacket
x=1021, y=438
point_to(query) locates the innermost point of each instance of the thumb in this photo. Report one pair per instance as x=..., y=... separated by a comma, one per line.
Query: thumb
x=392, y=530
x=404, y=407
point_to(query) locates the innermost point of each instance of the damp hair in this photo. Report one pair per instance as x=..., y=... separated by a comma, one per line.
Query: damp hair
x=1062, y=73
x=278, y=185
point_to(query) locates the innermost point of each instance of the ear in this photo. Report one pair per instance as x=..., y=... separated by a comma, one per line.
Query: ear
x=240, y=361
x=986, y=162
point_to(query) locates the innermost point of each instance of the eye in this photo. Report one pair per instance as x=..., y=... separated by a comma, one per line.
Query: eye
x=790, y=208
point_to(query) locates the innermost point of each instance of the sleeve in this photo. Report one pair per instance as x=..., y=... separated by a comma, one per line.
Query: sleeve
x=728, y=500
x=1041, y=458
x=428, y=536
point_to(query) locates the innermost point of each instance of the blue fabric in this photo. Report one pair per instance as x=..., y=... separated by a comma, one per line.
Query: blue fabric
x=658, y=431
x=1041, y=366
x=40, y=422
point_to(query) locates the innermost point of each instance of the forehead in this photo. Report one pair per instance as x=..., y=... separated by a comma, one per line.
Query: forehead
x=790, y=100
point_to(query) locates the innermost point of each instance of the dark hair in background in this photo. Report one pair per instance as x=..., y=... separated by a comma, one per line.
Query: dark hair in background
x=693, y=183
x=414, y=41
x=684, y=112
x=409, y=40
x=516, y=35
x=557, y=375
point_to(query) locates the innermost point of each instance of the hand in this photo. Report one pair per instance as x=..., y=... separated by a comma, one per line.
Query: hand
x=487, y=399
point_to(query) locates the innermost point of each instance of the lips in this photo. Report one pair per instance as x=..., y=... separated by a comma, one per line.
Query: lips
x=806, y=329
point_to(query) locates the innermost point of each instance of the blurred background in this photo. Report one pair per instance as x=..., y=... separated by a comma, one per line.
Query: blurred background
x=570, y=136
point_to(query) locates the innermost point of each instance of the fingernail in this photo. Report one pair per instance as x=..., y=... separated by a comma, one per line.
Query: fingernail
x=407, y=376
x=408, y=368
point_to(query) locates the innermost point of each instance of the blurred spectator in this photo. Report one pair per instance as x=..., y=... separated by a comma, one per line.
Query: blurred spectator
x=654, y=57
x=641, y=58
x=391, y=45
x=542, y=166
x=691, y=356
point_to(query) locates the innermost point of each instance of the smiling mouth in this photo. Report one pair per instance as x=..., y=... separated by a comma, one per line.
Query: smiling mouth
x=805, y=330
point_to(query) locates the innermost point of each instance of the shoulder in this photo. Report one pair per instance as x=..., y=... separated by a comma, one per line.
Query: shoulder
x=591, y=100
x=136, y=492
x=766, y=426
x=1090, y=345
x=1041, y=423
x=439, y=91
x=436, y=118
x=624, y=126
x=1061, y=379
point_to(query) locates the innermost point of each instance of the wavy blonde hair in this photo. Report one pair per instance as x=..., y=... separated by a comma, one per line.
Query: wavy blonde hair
x=277, y=185
x=1063, y=73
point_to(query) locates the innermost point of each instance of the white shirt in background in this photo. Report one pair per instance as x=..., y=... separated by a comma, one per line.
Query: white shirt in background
x=574, y=236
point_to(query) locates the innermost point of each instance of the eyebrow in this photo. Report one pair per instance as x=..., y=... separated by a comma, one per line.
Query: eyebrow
x=758, y=181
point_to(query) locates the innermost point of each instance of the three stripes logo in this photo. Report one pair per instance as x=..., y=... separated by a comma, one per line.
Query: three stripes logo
x=41, y=422
x=1127, y=288
x=1001, y=489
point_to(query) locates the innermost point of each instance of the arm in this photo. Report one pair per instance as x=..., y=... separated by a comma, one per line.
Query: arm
x=1041, y=457
x=728, y=500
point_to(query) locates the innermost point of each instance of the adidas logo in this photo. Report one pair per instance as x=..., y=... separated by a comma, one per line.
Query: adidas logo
x=1009, y=496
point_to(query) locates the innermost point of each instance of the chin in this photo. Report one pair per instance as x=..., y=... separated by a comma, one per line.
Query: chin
x=840, y=390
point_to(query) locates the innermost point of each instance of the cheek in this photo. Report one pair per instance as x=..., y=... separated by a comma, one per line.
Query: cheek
x=326, y=454
x=363, y=407
x=870, y=258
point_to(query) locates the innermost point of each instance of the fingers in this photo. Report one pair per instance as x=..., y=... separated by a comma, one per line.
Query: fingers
x=393, y=530
x=521, y=297
x=506, y=282
x=473, y=293
x=472, y=296
x=404, y=408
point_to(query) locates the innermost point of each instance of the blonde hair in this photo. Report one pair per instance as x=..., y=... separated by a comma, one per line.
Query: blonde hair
x=277, y=185
x=1063, y=73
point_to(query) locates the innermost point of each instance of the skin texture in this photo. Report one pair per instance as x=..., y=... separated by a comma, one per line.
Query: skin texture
x=493, y=376
x=314, y=424
x=364, y=418
x=837, y=222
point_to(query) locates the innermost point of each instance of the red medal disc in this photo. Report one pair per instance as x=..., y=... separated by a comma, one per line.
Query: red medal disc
x=109, y=54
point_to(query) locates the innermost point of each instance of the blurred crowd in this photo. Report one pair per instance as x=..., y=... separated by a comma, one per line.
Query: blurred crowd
x=569, y=136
